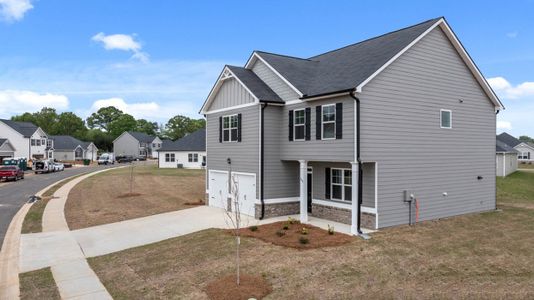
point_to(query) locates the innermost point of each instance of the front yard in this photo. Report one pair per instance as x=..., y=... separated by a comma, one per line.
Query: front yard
x=106, y=198
x=487, y=255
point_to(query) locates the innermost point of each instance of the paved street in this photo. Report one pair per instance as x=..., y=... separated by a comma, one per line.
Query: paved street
x=14, y=194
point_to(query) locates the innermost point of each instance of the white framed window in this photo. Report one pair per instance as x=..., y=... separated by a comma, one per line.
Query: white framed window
x=43, y=142
x=341, y=185
x=328, y=122
x=153, y=145
x=169, y=157
x=445, y=118
x=38, y=142
x=524, y=155
x=299, y=125
x=230, y=124
x=193, y=157
x=32, y=142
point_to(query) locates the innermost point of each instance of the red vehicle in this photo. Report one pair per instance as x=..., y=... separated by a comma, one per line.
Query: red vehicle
x=11, y=173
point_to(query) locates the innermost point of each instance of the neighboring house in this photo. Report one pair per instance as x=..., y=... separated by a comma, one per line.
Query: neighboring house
x=136, y=144
x=28, y=140
x=406, y=113
x=6, y=149
x=525, y=150
x=506, y=159
x=67, y=148
x=187, y=152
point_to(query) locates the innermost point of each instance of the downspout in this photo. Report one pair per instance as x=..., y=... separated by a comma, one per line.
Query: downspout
x=358, y=159
x=262, y=160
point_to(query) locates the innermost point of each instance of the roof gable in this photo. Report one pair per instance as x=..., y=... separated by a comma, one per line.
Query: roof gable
x=508, y=139
x=26, y=129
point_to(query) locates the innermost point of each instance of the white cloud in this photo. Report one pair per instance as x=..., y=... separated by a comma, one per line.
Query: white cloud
x=512, y=35
x=14, y=10
x=122, y=42
x=506, y=90
x=16, y=102
x=504, y=125
x=144, y=110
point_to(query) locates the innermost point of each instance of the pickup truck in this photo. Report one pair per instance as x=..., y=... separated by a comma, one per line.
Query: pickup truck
x=11, y=173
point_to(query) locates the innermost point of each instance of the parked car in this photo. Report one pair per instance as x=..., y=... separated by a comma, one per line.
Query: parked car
x=125, y=159
x=140, y=158
x=11, y=173
x=106, y=159
x=43, y=166
x=58, y=167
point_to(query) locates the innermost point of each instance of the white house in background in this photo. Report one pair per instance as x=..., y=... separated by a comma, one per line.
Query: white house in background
x=6, y=149
x=28, y=140
x=91, y=151
x=136, y=144
x=506, y=159
x=525, y=150
x=188, y=152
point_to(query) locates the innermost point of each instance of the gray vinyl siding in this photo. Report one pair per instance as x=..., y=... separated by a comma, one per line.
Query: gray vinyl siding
x=281, y=177
x=319, y=150
x=274, y=81
x=245, y=154
x=510, y=165
x=400, y=129
x=64, y=155
x=319, y=182
x=231, y=93
x=126, y=145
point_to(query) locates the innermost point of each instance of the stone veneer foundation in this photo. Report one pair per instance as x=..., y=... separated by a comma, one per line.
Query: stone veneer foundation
x=278, y=209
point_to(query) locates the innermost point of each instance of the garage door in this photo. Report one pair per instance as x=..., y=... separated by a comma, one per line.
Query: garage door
x=218, y=188
x=246, y=183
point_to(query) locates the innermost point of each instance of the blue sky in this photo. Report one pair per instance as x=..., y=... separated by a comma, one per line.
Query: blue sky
x=155, y=59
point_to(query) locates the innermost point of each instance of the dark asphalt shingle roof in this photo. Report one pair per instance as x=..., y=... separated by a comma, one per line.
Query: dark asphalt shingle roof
x=66, y=142
x=261, y=90
x=345, y=68
x=2, y=141
x=142, y=137
x=503, y=147
x=195, y=141
x=508, y=139
x=27, y=129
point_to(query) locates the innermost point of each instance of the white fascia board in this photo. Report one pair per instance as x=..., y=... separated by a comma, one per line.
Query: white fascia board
x=255, y=56
x=461, y=51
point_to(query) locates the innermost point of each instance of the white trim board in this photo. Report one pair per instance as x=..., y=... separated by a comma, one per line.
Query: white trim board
x=461, y=51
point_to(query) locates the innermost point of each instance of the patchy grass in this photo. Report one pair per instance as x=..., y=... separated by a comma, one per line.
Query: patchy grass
x=100, y=199
x=33, y=221
x=477, y=256
x=516, y=190
x=525, y=166
x=38, y=284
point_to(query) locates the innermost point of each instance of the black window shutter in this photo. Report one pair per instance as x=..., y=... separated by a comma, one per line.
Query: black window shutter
x=339, y=121
x=528, y=155
x=239, y=127
x=307, y=126
x=318, y=119
x=290, y=125
x=220, y=129
x=327, y=183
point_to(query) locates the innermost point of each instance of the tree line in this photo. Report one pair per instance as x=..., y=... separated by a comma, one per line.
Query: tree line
x=105, y=125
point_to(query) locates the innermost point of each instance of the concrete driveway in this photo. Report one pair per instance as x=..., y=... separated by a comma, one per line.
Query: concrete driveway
x=14, y=194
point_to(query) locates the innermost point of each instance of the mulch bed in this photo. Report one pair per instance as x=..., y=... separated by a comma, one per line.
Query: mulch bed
x=317, y=237
x=226, y=288
x=199, y=202
x=128, y=195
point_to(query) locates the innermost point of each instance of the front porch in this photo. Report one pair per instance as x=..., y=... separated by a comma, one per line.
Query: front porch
x=324, y=190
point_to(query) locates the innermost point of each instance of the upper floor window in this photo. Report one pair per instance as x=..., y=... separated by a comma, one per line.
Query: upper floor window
x=153, y=145
x=446, y=118
x=193, y=157
x=328, y=117
x=230, y=128
x=299, y=124
x=32, y=142
x=49, y=143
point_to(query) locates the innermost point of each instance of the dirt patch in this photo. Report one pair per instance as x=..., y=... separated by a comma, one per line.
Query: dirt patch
x=296, y=235
x=100, y=199
x=38, y=284
x=200, y=202
x=226, y=288
x=128, y=195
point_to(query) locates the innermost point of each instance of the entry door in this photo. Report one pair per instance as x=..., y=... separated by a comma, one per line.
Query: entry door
x=310, y=189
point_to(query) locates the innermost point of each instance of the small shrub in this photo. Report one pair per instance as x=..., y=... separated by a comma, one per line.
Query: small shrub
x=330, y=230
x=253, y=228
x=304, y=240
x=304, y=231
x=280, y=233
x=286, y=226
x=291, y=220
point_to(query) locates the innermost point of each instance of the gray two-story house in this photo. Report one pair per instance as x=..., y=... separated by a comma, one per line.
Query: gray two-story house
x=378, y=133
x=136, y=144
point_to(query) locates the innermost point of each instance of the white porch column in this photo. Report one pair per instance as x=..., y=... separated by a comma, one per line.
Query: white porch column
x=303, y=179
x=354, y=204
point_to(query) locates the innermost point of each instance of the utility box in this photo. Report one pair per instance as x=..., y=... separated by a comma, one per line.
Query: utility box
x=409, y=196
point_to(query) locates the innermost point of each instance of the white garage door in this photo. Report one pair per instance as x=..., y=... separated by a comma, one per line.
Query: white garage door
x=246, y=183
x=218, y=188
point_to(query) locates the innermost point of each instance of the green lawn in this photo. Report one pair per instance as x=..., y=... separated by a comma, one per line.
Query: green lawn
x=38, y=284
x=516, y=189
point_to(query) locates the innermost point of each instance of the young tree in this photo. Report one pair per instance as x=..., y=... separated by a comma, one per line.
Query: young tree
x=103, y=117
x=178, y=126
